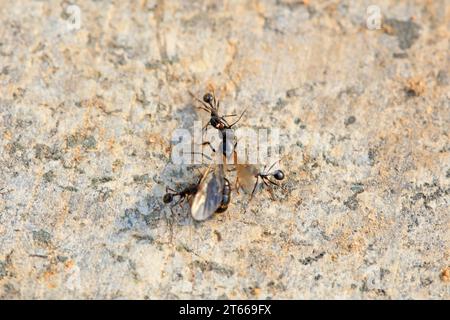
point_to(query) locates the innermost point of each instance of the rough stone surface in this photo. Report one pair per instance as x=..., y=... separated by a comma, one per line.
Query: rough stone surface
x=86, y=118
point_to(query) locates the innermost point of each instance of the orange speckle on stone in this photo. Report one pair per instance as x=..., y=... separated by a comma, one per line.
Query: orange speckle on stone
x=256, y=292
x=111, y=143
x=7, y=135
x=445, y=274
x=51, y=285
x=415, y=86
x=388, y=29
x=47, y=276
x=69, y=264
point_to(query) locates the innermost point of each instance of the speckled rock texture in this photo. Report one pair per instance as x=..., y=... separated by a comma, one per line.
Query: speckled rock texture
x=87, y=115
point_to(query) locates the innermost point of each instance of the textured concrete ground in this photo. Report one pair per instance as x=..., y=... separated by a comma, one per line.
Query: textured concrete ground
x=86, y=117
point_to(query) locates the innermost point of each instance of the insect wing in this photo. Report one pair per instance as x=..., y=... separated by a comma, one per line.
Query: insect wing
x=246, y=175
x=227, y=143
x=209, y=195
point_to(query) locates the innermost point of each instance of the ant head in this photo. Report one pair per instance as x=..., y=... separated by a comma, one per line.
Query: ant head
x=278, y=174
x=168, y=197
x=208, y=98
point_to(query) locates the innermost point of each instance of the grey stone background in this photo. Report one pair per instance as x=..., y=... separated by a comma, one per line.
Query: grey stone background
x=86, y=118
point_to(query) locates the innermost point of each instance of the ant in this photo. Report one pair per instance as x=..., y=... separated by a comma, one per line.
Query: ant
x=212, y=193
x=247, y=172
x=264, y=175
x=211, y=104
x=184, y=194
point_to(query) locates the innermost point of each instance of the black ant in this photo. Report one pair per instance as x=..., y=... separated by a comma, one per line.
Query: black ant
x=210, y=194
x=246, y=172
x=184, y=194
x=211, y=104
x=264, y=175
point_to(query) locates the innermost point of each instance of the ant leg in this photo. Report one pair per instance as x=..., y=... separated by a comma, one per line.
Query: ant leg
x=209, y=144
x=206, y=126
x=208, y=108
x=204, y=104
x=214, y=97
x=273, y=182
x=171, y=211
x=238, y=118
x=178, y=202
x=225, y=121
x=265, y=182
x=170, y=189
x=170, y=225
x=230, y=115
x=204, y=155
x=269, y=188
x=203, y=109
x=205, y=129
x=263, y=172
x=237, y=184
x=200, y=174
x=272, y=165
x=254, y=188
x=235, y=159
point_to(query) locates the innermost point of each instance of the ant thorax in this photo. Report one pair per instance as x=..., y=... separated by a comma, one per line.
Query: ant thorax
x=216, y=123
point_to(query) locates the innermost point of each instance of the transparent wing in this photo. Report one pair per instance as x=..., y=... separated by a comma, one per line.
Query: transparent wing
x=209, y=195
x=227, y=149
x=246, y=175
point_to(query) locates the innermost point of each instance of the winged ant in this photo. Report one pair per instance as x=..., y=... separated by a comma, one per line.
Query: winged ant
x=212, y=193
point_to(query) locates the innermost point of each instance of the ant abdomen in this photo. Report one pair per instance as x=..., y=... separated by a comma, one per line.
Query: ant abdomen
x=226, y=196
x=278, y=174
